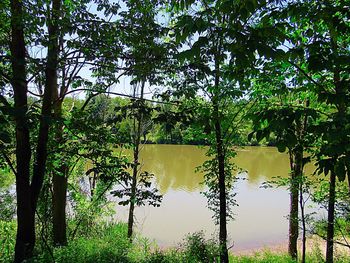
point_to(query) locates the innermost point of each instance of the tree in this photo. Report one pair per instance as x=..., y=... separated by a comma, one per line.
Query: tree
x=76, y=44
x=28, y=72
x=27, y=189
x=289, y=122
x=218, y=54
x=322, y=45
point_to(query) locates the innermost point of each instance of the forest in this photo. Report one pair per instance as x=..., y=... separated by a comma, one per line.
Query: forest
x=93, y=91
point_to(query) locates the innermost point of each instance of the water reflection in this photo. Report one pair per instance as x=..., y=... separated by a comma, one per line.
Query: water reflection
x=260, y=218
x=174, y=166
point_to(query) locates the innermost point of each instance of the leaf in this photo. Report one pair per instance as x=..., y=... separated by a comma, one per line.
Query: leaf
x=5, y=137
x=340, y=170
x=259, y=135
x=250, y=136
x=281, y=147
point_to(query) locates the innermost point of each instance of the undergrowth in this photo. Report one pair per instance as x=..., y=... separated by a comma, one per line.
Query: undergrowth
x=109, y=243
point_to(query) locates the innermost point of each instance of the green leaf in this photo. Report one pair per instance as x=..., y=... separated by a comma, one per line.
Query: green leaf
x=259, y=135
x=340, y=170
x=281, y=147
x=5, y=137
x=250, y=136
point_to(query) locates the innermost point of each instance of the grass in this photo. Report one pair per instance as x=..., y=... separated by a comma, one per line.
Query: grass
x=109, y=243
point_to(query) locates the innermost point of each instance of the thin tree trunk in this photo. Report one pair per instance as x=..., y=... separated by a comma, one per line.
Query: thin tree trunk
x=330, y=226
x=296, y=163
x=59, y=208
x=137, y=139
x=60, y=176
x=303, y=221
x=25, y=236
x=293, y=213
x=302, y=133
x=221, y=163
x=348, y=173
x=50, y=85
x=340, y=90
x=59, y=196
x=222, y=195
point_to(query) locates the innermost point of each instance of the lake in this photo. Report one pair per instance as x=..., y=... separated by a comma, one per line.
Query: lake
x=260, y=218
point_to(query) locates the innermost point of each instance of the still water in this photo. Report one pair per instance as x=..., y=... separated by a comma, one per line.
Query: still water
x=260, y=218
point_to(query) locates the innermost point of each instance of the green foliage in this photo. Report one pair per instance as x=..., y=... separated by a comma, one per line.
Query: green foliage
x=7, y=240
x=198, y=249
x=109, y=244
x=211, y=180
x=7, y=205
x=145, y=192
x=157, y=257
x=268, y=256
x=264, y=257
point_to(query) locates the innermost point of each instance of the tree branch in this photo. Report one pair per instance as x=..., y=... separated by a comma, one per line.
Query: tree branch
x=8, y=160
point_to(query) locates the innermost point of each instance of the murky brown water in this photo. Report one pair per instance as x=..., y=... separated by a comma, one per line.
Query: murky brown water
x=260, y=217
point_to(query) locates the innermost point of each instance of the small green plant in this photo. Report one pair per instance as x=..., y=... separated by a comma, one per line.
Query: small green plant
x=198, y=249
x=109, y=245
x=158, y=257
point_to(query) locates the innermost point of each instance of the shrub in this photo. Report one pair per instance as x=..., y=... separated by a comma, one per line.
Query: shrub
x=110, y=245
x=198, y=249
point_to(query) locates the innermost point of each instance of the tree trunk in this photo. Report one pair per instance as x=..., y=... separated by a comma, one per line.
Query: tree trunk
x=60, y=175
x=25, y=237
x=348, y=172
x=50, y=85
x=28, y=192
x=340, y=90
x=137, y=139
x=222, y=185
x=293, y=218
x=59, y=208
x=133, y=192
x=296, y=160
x=303, y=221
x=222, y=194
x=221, y=163
x=330, y=226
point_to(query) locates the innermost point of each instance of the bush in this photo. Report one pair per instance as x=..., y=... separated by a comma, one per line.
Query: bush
x=110, y=245
x=198, y=249
x=158, y=257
